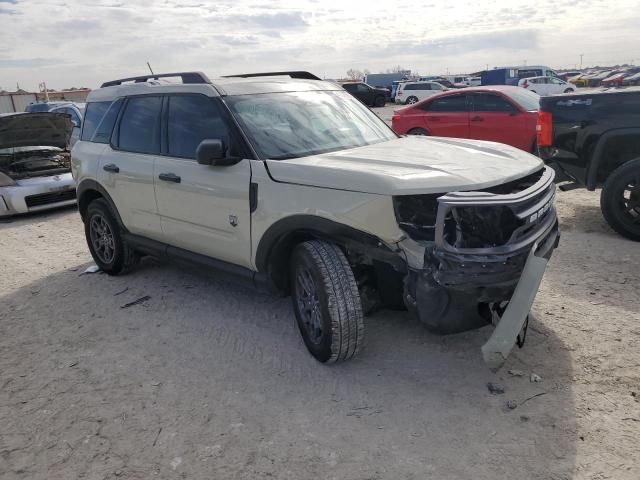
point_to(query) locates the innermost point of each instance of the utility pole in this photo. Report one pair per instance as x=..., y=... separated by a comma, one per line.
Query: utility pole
x=581, y=55
x=43, y=88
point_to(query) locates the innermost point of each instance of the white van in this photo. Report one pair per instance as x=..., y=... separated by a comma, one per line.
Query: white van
x=412, y=92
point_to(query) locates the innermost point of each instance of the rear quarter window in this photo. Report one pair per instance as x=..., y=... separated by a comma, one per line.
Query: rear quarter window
x=105, y=128
x=92, y=118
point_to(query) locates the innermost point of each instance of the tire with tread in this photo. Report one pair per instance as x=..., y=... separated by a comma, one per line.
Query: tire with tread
x=612, y=201
x=379, y=101
x=411, y=100
x=418, y=131
x=338, y=299
x=124, y=256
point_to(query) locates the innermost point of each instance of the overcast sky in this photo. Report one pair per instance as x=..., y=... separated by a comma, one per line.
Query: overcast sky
x=83, y=43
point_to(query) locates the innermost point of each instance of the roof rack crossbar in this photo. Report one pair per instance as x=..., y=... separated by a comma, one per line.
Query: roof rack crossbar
x=300, y=74
x=187, y=77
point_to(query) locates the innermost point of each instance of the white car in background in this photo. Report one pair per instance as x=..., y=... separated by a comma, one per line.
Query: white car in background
x=547, y=85
x=412, y=92
x=475, y=81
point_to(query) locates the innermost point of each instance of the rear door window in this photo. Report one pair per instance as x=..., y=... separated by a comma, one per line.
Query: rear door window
x=191, y=119
x=491, y=103
x=139, y=129
x=451, y=103
x=92, y=117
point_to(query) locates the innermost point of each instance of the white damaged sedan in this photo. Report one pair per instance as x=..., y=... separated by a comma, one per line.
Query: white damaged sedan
x=35, y=165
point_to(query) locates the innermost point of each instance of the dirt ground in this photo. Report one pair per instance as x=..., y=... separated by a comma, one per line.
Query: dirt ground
x=208, y=380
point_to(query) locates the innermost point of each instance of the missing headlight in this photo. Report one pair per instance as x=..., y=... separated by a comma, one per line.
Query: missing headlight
x=416, y=215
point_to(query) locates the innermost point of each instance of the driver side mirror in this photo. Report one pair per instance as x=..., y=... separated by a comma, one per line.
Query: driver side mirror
x=213, y=152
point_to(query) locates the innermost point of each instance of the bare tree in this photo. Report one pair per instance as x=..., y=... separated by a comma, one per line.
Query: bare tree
x=353, y=74
x=397, y=69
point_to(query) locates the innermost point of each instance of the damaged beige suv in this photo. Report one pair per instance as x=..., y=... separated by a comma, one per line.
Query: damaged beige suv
x=291, y=183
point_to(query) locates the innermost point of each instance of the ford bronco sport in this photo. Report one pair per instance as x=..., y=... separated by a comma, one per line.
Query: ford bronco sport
x=290, y=182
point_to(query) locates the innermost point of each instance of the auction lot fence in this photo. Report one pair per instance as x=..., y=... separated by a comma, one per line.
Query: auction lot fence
x=15, y=102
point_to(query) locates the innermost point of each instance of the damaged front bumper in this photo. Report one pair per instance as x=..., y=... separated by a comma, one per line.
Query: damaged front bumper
x=471, y=271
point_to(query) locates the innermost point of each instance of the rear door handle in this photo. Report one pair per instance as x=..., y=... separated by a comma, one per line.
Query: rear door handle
x=477, y=119
x=111, y=167
x=170, y=177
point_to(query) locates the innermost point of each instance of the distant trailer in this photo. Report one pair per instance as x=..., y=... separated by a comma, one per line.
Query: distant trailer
x=512, y=75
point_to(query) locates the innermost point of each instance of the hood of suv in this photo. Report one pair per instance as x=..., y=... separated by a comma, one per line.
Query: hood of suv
x=409, y=166
x=41, y=129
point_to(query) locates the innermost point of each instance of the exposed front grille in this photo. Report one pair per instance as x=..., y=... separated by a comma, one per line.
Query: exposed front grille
x=49, y=198
x=500, y=218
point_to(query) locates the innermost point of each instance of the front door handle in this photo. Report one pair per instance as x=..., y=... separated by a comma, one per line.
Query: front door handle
x=477, y=119
x=111, y=167
x=170, y=177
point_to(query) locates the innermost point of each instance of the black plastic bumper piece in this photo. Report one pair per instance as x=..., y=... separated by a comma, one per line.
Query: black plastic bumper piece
x=454, y=293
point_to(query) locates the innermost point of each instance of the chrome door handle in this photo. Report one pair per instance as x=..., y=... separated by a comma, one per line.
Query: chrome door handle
x=170, y=177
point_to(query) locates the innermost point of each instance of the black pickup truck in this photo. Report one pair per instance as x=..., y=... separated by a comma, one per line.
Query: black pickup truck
x=592, y=140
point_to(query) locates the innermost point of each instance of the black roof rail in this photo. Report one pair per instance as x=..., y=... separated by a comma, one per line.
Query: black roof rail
x=301, y=74
x=187, y=77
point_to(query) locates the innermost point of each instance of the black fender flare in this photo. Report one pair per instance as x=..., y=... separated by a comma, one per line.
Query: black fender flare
x=88, y=185
x=598, y=153
x=277, y=241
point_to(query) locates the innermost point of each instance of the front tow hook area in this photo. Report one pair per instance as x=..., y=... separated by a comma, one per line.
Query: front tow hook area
x=496, y=350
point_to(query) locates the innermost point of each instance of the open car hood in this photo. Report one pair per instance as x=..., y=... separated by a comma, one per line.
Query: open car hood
x=409, y=166
x=43, y=129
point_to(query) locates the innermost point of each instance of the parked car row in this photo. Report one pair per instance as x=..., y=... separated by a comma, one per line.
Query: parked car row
x=623, y=77
x=306, y=192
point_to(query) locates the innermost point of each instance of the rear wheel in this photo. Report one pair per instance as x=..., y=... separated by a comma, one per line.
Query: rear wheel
x=379, y=101
x=326, y=301
x=620, y=200
x=104, y=238
x=411, y=100
x=568, y=90
x=418, y=131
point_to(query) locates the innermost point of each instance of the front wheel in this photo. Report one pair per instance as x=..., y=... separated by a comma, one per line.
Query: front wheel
x=620, y=200
x=418, y=131
x=326, y=301
x=104, y=238
x=379, y=101
x=568, y=90
x=411, y=100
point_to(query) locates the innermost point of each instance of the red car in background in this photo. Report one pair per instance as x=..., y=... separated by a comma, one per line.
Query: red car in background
x=498, y=113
